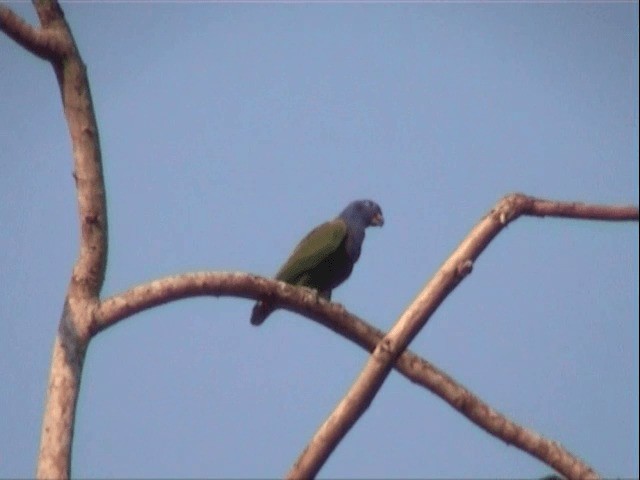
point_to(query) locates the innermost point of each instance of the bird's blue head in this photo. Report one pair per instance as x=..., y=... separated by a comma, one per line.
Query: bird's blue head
x=364, y=213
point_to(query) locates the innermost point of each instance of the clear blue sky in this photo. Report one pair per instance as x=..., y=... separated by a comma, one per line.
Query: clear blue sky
x=228, y=131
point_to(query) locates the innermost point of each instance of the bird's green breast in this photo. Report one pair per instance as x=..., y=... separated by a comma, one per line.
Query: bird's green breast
x=317, y=255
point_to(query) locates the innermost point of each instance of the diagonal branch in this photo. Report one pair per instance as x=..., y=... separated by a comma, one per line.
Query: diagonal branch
x=335, y=317
x=42, y=42
x=452, y=272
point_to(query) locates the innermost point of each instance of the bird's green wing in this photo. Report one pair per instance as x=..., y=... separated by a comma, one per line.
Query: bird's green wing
x=321, y=242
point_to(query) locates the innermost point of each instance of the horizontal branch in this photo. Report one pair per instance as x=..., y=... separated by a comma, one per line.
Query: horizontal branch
x=536, y=207
x=42, y=42
x=336, y=318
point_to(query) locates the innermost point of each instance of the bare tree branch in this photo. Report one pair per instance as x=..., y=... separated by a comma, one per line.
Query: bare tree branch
x=54, y=42
x=455, y=268
x=54, y=459
x=538, y=207
x=335, y=317
x=44, y=43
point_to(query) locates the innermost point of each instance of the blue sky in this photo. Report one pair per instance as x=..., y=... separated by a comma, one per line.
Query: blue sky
x=228, y=131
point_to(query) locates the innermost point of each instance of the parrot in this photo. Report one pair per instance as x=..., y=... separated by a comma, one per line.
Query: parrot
x=325, y=257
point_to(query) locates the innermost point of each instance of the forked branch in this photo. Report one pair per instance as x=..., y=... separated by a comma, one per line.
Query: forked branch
x=43, y=42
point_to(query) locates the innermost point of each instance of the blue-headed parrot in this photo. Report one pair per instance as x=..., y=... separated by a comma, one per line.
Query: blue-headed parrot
x=325, y=257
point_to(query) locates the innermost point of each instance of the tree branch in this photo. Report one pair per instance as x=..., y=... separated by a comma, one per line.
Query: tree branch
x=56, y=440
x=452, y=272
x=54, y=41
x=538, y=207
x=43, y=43
x=335, y=317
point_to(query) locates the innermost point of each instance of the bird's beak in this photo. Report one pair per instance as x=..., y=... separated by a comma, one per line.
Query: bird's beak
x=377, y=220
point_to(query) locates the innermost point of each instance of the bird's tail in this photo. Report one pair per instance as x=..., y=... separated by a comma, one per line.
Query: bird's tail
x=260, y=312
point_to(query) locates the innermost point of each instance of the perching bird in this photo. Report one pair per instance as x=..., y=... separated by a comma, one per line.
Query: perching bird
x=325, y=257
